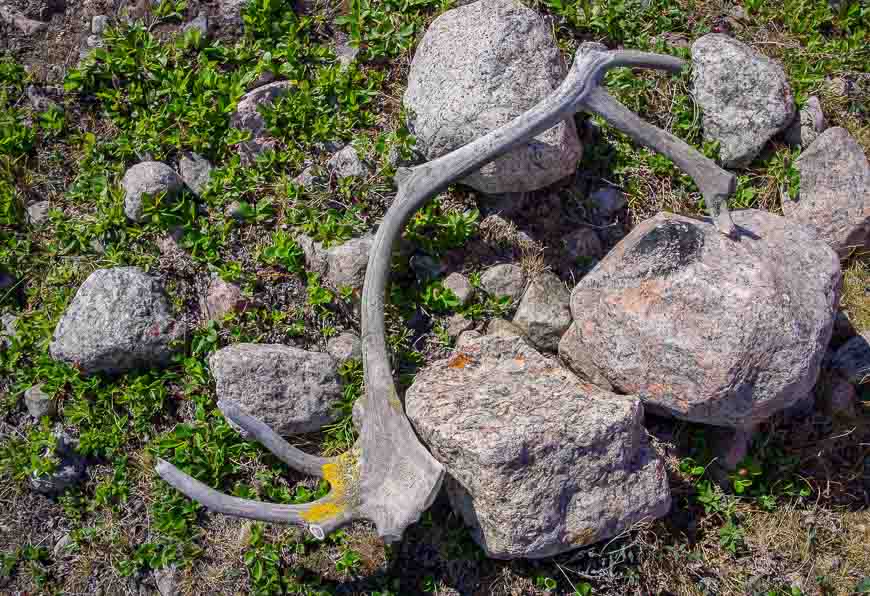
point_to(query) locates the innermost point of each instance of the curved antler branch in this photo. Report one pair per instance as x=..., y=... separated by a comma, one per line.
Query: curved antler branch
x=389, y=477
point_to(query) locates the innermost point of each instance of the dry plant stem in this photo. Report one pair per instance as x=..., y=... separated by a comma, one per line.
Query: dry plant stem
x=389, y=477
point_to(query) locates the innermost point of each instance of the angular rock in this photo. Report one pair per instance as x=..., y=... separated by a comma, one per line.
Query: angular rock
x=200, y=23
x=458, y=324
x=834, y=193
x=537, y=462
x=745, y=97
x=478, y=67
x=506, y=279
x=544, y=313
x=247, y=117
x=345, y=346
x=147, y=178
x=223, y=298
x=195, y=172
x=315, y=254
x=582, y=244
x=346, y=263
x=118, y=320
x=460, y=286
x=69, y=471
x=37, y=213
x=293, y=391
x=852, y=360
x=39, y=403
x=807, y=125
x=706, y=328
x=99, y=23
x=607, y=201
x=504, y=328
x=347, y=164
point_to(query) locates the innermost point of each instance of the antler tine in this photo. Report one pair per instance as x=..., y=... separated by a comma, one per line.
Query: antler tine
x=290, y=455
x=714, y=183
x=320, y=517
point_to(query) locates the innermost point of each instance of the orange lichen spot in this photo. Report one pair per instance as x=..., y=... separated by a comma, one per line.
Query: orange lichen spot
x=459, y=361
x=334, y=474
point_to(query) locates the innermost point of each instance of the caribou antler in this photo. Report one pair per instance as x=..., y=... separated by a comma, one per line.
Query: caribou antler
x=389, y=477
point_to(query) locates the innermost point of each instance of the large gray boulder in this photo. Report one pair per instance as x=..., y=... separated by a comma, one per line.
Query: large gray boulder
x=703, y=327
x=118, y=320
x=248, y=118
x=147, y=178
x=745, y=97
x=292, y=390
x=834, y=193
x=537, y=462
x=544, y=313
x=478, y=67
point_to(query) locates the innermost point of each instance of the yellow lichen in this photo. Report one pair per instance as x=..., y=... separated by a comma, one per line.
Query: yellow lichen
x=336, y=474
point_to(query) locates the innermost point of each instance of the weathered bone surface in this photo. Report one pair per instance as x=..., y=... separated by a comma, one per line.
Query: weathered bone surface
x=389, y=477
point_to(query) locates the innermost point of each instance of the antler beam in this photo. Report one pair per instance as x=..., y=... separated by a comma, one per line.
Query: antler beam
x=389, y=477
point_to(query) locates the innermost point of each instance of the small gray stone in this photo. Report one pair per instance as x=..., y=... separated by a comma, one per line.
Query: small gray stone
x=346, y=263
x=39, y=99
x=8, y=322
x=426, y=268
x=223, y=298
x=69, y=471
x=39, y=403
x=544, y=313
x=151, y=178
x=745, y=97
x=167, y=581
x=607, y=201
x=99, y=23
x=478, y=67
x=118, y=320
x=458, y=324
x=247, y=117
x=61, y=546
x=200, y=23
x=807, y=125
x=307, y=178
x=852, y=360
x=195, y=172
x=705, y=328
x=345, y=346
x=347, y=164
x=94, y=41
x=583, y=243
x=506, y=279
x=315, y=254
x=37, y=213
x=293, y=391
x=460, y=286
x=537, y=462
x=834, y=194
